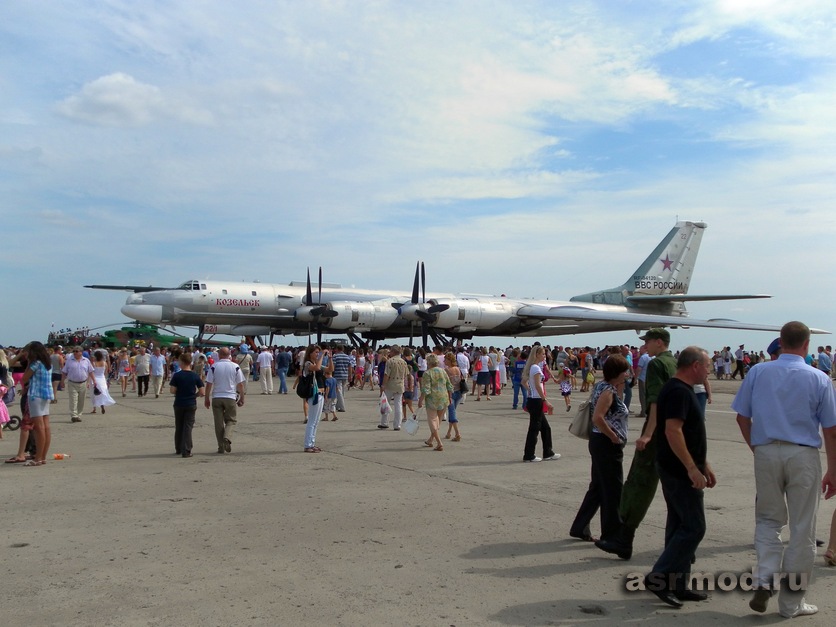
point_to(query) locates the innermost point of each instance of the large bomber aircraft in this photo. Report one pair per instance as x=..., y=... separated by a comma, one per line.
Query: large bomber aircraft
x=653, y=295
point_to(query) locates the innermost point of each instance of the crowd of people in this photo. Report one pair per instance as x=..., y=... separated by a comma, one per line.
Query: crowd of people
x=786, y=411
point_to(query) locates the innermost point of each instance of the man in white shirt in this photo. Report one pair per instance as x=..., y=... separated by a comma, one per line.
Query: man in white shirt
x=77, y=371
x=265, y=370
x=224, y=383
x=142, y=371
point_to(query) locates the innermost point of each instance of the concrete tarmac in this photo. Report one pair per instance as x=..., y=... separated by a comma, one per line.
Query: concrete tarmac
x=376, y=530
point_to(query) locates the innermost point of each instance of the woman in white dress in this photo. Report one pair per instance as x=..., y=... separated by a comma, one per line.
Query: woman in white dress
x=103, y=399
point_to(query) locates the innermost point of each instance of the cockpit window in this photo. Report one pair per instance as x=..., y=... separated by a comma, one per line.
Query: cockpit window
x=203, y=286
x=192, y=285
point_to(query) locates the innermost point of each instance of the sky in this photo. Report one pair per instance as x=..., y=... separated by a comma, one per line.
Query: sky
x=534, y=149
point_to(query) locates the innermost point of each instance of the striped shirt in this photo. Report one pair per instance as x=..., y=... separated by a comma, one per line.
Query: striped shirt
x=342, y=362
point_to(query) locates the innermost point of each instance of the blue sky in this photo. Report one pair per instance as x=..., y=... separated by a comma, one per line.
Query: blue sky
x=526, y=148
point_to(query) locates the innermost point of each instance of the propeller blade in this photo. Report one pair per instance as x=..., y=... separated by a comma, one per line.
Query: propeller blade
x=415, y=286
x=438, y=308
x=397, y=305
x=423, y=284
x=319, y=298
x=424, y=332
x=308, y=295
x=329, y=313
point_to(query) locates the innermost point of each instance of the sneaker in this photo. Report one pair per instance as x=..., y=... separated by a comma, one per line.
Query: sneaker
x=397, y=429
x=227, y=446
x=552, y=457
x=76, y=419
x=531, y=461
x=760, y=600
x=382, y=426
x=804, y=609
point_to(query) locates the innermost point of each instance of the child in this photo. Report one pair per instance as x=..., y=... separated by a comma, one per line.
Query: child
x=304, y=400
x=564, y=380
x=408, y=392
x=124, y=370
x=330, y=396
x=186, y=386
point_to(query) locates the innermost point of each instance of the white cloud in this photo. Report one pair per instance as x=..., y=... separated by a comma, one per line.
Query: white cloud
x=120, y=100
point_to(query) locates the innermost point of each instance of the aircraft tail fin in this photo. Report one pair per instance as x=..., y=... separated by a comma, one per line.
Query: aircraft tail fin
x=663, y=278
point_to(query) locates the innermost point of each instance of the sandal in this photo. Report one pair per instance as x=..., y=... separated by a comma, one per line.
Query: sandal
x=312, y=450
x=428, y=443
x=32, y=462
x=15, y=460
x=439, y=448
x=458, y=438
x=830, y=558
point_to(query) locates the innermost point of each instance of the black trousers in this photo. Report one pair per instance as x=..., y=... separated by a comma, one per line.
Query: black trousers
x=684, y=529
x=142, y=384
x=604, y=488
x=537, y=425
x=183, y=424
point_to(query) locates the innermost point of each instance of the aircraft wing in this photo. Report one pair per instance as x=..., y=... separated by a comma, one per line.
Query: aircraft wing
x=684, y=298
x=130, y=288
x=574, y=312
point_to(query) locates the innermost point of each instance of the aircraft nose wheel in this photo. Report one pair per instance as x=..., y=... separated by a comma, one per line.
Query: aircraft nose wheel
x=13, y=424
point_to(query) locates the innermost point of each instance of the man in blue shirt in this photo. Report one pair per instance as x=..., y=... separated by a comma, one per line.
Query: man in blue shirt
x=283, y=359
x=780, y=407
x=157, y=364
x=825, y=363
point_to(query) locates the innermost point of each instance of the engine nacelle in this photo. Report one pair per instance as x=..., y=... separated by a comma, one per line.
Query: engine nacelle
x=357, y=317
x=467, y=315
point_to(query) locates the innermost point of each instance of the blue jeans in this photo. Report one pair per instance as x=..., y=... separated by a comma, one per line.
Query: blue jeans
x=314, y=414
x=517, y=387
x=282, y=372
x=451, y=409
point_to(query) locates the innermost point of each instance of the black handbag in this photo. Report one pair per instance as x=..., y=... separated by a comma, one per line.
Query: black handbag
x=304, y=388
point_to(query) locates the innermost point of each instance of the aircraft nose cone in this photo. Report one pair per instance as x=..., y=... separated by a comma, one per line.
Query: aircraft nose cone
x=144, y=313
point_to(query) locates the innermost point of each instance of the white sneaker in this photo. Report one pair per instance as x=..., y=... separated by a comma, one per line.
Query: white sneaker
x=531, y=461
x=804, y=609
x=552, y=458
